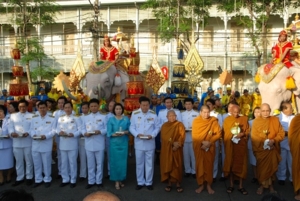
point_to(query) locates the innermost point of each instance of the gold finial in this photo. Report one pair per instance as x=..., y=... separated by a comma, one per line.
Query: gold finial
x=297, y=17
x=119, y=30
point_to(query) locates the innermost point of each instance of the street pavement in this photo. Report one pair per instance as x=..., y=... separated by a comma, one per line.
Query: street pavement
x=128, y=193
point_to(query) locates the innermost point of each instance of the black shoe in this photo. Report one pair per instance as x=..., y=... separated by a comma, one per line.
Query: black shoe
x=194, y=175
x=138, y=187
x=99, y=185
x=187, y=174
x=214, y=180
x=58, y=177
x=63, y=184
x=1, y=183
x=8, y=181
x=18, y=183
x=254, y=180
x=281, y=182
x=47, y=184
x=150, y=187
x=107, y=176
x=81, y=179
x=222, y=179
x=89, y=186
x=73, y=185
x=29, y=182
x=37, y=184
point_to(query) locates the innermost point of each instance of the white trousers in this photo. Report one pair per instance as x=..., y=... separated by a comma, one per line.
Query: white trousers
x=107, y=142
x=82, y=157
x=223, y=156
x=95, y=161
x=144, y=167
x=285, y=163
x=42, y=162
x=22, y=154
x=216, y=161
x=69, y=165
x=189, y=158
x=57, y=138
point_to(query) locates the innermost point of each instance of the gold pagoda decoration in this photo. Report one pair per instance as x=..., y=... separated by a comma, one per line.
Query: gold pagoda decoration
x=193, y=66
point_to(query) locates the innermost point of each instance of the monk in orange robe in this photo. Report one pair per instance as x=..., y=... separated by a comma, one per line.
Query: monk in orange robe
x=267, y=133
x=294, y=141
x=236, y=153
x=171, y=155
x=205, y=132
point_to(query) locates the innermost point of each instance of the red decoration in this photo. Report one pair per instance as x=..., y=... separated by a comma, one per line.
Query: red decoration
x=135, y=88
x=165, y=71
x=131, y=104
x=15, y=54
x=17, y=71
x=20, y=89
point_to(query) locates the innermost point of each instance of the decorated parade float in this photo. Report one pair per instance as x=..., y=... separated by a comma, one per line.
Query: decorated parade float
x=279, y=80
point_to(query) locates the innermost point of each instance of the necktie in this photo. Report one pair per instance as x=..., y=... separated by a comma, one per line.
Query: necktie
x=1, y=123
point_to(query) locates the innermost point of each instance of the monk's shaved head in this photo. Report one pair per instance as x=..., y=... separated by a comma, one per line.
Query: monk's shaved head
x=101, y=196
x=265, y=110
x=235, y=111
x=204, y=107
x=171, y=112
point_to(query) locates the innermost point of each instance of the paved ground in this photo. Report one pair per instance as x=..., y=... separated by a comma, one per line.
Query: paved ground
x=128, y=193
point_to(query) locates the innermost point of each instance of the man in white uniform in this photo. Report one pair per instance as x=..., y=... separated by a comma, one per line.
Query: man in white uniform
x=285, y=118
x=94, y=129
x=211, y=104
x=60, y=105
x=42, y=131
x=68, y=128
x=108, y=116
x=19, y=128
x=188, y=152
x=81, y=144
x=144, y=127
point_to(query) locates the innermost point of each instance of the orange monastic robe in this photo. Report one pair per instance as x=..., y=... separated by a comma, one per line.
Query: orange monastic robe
x=267, y=160
x=294, y=142
x=236, y=155
x=171, y=162
x=205, y=130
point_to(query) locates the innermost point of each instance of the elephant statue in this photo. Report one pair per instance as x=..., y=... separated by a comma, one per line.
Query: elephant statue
x=274, y=90
x=105, y=84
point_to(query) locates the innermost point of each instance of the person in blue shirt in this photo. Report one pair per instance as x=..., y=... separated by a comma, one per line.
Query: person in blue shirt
x=43, y=96
x=204, y=95
x=5, y=96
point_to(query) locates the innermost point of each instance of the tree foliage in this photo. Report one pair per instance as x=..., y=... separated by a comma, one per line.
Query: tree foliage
x=175, y=16
x=256, y=19
x=26, y=14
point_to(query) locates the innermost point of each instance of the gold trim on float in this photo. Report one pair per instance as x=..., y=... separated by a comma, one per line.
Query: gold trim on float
x=273, y=72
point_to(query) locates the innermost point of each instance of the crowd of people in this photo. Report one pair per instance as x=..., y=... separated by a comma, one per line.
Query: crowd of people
x=184, y=143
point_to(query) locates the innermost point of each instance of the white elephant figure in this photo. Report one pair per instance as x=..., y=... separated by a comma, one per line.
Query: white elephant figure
x=275, y=91
x=109, y=83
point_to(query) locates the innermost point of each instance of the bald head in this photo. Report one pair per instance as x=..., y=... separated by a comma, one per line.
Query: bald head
x=235, y=111
x=265, y=110
x=101, y=196
x=171, y=115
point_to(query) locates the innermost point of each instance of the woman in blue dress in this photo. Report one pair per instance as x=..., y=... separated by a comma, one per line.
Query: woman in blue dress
x=117, y=130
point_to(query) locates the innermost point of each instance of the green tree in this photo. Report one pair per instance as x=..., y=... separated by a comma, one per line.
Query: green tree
x=256, y=22
x=175, y=16
x=28, y=13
